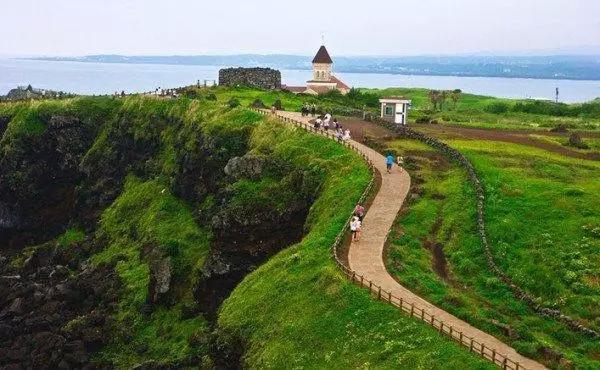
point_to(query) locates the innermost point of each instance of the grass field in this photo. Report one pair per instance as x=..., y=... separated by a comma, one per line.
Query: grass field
x=542, y=218
x=471, y=110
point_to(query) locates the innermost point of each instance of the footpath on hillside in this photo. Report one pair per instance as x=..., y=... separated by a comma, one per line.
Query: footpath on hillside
x=366, y=256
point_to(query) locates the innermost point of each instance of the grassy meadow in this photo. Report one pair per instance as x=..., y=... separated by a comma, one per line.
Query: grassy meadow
x=542, y=221
x=470, y=110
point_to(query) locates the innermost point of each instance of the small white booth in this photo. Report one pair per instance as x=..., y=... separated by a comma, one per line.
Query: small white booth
x=395, y=109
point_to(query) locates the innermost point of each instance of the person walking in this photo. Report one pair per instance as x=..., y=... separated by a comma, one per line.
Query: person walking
x=347, y=135
x=389, y=162
x=313, y=109
x=355, y=229
x=399, y=162
x=359, y=211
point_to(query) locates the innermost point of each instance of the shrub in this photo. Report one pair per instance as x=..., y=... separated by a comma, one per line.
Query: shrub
x=257, y=103
x=233, y=102
x=497, y=108
x=277, y=104
x=424, y=119
x=576, y=141
x=561, y=127
x=211, y=97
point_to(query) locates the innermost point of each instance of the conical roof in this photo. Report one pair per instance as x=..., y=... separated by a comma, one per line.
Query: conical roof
x=322, y=56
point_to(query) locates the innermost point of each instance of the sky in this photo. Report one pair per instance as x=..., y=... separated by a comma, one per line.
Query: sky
x=350, y=27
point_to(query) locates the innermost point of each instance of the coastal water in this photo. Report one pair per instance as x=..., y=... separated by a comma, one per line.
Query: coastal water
x=105, y=78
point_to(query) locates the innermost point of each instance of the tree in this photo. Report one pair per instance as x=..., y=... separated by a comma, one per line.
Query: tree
x=455, y=96
x=434, y=97
x=442, y=98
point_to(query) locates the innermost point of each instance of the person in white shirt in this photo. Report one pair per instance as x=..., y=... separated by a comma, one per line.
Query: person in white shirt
x=355, y=225
x=346, y=135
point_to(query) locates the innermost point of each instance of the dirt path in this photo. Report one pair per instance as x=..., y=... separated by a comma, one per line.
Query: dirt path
x=366, y=256
x=515, y=137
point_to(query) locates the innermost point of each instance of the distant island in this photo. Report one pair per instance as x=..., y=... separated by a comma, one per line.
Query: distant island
x=564, y=67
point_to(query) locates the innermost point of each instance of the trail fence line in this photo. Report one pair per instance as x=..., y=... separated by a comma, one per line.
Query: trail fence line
x=377, y=292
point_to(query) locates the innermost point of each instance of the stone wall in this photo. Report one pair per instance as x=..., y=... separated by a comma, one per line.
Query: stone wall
x=462, y=160
x=265, y=78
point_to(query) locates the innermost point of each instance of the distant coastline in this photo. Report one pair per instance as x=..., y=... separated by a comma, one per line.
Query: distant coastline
x=559, y=67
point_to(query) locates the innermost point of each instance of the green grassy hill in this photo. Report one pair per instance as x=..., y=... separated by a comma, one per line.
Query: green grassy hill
x=542, y=220
x=141, y=180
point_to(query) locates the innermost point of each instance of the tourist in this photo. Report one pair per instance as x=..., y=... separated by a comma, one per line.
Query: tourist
x=339, y=134
x=327, y=118
x=273, y=109
x=346, y=135
x=318, y=122
x=304, y=110
x=336, y=124
x=400, y=162
x=389, y=162
x=326, y=124
x=359, y=211
x=355, y=229
x=313, y=109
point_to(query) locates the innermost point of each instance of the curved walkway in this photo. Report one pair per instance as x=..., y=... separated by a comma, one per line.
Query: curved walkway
x=366, y=257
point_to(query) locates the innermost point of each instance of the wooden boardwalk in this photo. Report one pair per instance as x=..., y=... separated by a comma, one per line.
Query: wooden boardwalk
x=366, y=260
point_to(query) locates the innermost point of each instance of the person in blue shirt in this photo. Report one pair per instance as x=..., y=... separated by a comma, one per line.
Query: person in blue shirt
x=389, y=162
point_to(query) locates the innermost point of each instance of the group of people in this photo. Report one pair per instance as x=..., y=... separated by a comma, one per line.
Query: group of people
x=325, y=123
x=308, y=109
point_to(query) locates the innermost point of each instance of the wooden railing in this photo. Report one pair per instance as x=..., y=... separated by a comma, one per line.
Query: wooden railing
x=378, y=292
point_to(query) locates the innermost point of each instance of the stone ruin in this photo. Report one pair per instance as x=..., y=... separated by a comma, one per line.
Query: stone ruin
x=264, y=78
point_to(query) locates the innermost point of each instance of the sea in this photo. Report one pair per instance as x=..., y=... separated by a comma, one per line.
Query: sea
x=107, y=78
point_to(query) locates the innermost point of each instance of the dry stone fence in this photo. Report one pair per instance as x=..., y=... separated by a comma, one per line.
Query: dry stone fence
x=461, y=159
x=264, y=78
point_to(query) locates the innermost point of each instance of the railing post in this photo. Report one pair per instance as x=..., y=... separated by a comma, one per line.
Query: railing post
x=412, y=309
x=441, y=326
x=471, y=346
x=433, y=320
x=390, y=297
x=379, y=294
x=401, y=303
x=451, y=330
x=353, y=276
x=461, y=337
x=493, y=356
x=422, y=314
x=504, y=364
x=482, y=349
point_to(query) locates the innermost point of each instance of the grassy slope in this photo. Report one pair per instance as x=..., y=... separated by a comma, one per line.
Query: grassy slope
x=297, y=310
x=556, y=258
x=472, y=110
x=147, y=214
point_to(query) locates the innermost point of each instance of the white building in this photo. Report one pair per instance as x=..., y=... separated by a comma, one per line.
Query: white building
x=395, y=109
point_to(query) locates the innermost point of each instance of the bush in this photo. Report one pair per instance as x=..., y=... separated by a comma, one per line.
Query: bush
x=544, y=107
x=576, y=141
x=257, y=103
x=278, y=105
x=211, y=97
x=233, y=102
x=561, y=127
x=497, y=108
